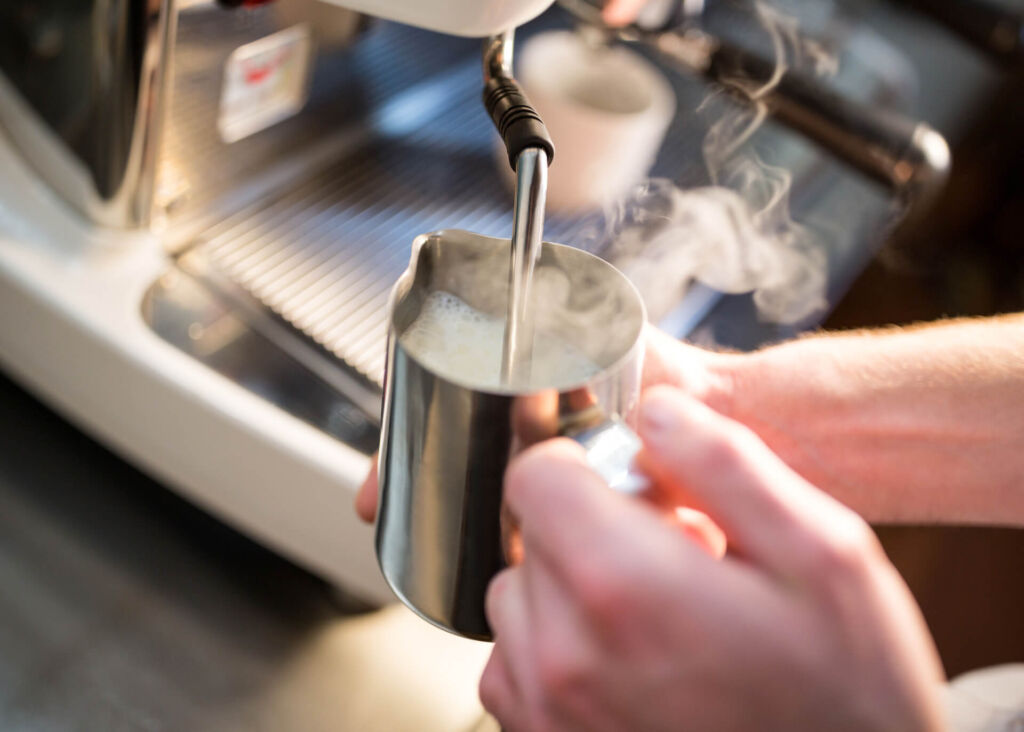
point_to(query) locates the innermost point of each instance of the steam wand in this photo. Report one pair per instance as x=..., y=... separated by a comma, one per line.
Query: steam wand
x=530, y=151
x=908, y=156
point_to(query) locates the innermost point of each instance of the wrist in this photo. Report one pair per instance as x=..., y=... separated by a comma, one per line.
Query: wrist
x=792, y=385
x=783, y=395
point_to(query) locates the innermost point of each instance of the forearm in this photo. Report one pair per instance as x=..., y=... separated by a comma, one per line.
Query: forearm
x=921, y=424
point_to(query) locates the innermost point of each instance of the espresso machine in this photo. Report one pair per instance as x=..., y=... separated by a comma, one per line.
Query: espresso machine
x=203, y=207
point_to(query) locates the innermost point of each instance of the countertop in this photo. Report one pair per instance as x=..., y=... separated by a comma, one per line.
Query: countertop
x=122, y=607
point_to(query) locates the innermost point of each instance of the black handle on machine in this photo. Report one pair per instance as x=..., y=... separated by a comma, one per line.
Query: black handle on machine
x=908, y=155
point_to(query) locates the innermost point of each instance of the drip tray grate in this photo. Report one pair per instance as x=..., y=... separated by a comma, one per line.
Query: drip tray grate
x=324, y=254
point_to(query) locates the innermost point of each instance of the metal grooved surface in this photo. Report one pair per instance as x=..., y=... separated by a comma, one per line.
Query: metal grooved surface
x=324, y=253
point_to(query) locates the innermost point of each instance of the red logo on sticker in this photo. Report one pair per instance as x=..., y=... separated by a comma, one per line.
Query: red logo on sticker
x=256, y=72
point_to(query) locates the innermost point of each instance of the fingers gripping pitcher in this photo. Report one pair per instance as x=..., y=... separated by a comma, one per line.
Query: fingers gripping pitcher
x=451, y=425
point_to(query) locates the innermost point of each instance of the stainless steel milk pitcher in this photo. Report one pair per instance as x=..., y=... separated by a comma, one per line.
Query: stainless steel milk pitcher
x=445, y=445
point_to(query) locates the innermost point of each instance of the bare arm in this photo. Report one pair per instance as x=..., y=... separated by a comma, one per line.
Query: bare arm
x=903, y=424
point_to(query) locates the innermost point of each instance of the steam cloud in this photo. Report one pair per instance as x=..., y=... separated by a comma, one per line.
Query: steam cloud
x=736, y=234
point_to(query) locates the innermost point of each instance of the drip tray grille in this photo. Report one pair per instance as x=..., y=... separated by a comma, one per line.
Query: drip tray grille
x=324, y=254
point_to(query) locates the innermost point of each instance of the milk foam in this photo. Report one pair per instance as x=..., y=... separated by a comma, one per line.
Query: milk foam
x=464, y=345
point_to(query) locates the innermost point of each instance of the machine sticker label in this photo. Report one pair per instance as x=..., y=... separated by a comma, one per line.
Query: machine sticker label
x=265, y=82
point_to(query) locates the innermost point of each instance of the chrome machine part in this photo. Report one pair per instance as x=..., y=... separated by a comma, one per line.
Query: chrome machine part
x=228, y=142
x=530, y=151
x=121, y=106
x=611, y=447
x=498, y=55
x=527, y=235
x=907, y=155
x=83, y=91
x=445, y=444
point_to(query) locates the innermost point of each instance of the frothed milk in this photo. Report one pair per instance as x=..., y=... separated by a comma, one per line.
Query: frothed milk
x=465, y=345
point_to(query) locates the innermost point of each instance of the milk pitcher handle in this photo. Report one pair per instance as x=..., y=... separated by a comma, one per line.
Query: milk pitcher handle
x=611, y=447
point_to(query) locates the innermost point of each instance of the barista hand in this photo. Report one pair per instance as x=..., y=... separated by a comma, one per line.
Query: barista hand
x=614, y=622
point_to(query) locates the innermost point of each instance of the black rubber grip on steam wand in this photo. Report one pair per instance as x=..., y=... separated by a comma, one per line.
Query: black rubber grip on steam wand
x=517, y=121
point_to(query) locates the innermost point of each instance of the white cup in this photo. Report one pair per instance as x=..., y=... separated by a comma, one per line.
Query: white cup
x=607, y=110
